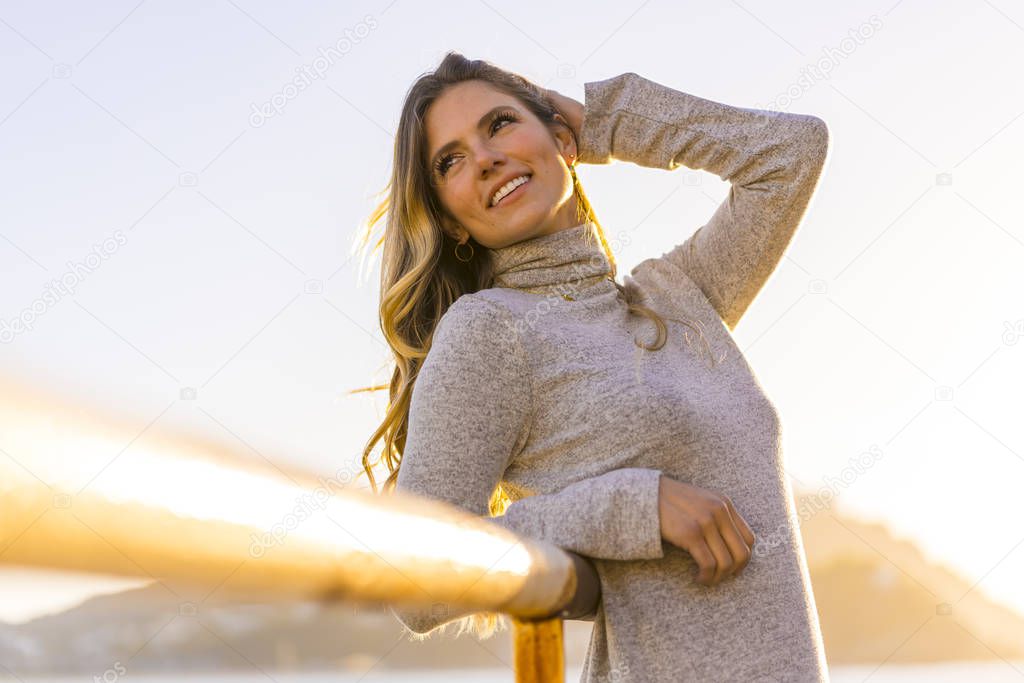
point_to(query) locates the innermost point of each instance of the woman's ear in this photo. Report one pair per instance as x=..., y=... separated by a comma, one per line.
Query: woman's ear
x=454, y=230
x=565, y=139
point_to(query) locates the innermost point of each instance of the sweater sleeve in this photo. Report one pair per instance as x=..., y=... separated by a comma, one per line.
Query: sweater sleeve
x=772, y=160
x=470, y=413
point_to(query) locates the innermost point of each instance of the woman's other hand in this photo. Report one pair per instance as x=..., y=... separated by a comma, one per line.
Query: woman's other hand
x=706, y=525
x=570, y=109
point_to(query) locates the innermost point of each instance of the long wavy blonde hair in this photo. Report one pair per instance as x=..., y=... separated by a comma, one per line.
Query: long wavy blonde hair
x=420, y=277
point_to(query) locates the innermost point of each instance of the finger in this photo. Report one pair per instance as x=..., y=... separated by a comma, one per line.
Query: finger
x=723, y=558
x=705, y=559
x=741, y=524
x=739, y=550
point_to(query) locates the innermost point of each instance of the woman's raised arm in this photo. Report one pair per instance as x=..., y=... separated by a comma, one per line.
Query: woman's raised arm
x=772, y=159
x=470, y=412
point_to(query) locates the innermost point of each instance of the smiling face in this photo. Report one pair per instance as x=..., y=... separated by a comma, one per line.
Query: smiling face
x=495, y=138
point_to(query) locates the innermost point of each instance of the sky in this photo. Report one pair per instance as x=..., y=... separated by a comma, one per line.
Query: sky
x=199, y=216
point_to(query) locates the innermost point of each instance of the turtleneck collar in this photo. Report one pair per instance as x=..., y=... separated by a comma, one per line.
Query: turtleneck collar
x=563, y=262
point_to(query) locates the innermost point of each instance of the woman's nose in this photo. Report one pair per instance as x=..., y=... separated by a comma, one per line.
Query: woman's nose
x=487, y=158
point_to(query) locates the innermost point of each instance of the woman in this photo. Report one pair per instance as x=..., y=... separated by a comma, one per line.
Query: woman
x=545, y=398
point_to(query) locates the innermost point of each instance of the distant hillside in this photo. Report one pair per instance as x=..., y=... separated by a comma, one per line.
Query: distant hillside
x=874, y=592
x=870, y=609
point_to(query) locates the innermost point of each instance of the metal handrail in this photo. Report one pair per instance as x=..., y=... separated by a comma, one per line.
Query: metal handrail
x=193, y=515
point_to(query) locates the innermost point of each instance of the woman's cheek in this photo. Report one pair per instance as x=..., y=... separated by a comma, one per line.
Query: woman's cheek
x=468, y=201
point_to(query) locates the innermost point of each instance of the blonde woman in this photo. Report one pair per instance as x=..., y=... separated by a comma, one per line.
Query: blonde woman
x=618, y=421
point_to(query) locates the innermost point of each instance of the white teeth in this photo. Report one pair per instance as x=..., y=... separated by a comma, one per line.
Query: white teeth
x=508, y=187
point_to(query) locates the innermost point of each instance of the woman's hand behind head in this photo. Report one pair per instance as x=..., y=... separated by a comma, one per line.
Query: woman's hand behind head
x=570, y=109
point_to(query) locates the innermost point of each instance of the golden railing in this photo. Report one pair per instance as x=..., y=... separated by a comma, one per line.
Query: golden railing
x=73, y=496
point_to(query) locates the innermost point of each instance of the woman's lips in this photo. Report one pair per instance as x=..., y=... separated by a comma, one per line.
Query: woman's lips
x=513, y=195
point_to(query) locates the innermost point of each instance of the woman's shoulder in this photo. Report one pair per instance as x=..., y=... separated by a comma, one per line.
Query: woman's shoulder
x=508, y=299
x=671, y=288
x=475, y=337
x=499, y=306
x=477, y=322
x=473, y=308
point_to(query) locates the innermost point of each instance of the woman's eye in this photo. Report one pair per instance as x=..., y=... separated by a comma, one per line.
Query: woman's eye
x=502, y=117
x=443, y=163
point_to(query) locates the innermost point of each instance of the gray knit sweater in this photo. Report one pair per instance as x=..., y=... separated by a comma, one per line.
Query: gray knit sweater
x=551, y=396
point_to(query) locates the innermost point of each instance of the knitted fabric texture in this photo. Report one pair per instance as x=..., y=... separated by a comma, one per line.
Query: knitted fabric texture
x=553, y=398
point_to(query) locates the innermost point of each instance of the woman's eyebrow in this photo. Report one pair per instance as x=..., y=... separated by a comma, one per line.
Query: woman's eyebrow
x=455, y=143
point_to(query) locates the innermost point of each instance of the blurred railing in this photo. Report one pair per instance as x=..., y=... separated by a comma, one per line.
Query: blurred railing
x=74, y=495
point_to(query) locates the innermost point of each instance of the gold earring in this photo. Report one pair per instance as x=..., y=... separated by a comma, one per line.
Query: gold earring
x=471, y=251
